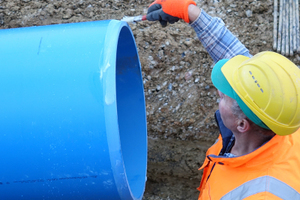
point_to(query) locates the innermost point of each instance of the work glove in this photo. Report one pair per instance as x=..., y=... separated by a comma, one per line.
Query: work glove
x=169, y=11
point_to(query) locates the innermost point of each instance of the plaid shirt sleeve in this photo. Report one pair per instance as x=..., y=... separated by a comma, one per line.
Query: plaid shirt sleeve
x=219, y=42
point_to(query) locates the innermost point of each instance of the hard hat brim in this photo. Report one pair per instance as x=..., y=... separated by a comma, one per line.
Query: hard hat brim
x=219, y=80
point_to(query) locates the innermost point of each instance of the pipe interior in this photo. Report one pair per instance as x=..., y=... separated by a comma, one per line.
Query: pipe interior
x=131, y=112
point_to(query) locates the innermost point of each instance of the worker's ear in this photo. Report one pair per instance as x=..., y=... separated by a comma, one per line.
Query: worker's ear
x=243, y=125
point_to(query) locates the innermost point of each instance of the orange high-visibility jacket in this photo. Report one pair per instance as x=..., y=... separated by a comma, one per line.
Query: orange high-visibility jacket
x=270, y=172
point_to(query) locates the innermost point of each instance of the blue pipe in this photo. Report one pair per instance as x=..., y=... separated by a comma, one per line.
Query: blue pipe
x=72, y=113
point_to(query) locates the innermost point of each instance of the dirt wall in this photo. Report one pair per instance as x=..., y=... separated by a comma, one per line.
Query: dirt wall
x=180, y=97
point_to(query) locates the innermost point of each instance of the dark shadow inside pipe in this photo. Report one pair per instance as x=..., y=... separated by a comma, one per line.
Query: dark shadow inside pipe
x=131, y=112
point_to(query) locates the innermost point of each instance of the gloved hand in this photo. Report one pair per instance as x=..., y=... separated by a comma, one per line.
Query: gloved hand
x=169, y=11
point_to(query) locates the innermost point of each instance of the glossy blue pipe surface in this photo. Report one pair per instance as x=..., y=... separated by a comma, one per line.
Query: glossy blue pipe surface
x=72, y=113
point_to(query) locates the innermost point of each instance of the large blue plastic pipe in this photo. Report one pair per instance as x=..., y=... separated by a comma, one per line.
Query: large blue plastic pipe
x=72, y=113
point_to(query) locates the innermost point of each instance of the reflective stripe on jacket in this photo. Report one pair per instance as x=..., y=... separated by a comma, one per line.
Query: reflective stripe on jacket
x=270, y=172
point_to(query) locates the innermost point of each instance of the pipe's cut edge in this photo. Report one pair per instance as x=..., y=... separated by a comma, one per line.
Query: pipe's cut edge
x=129, y=184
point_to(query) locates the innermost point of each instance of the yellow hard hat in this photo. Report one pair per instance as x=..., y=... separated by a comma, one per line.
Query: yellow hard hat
x=269, y=85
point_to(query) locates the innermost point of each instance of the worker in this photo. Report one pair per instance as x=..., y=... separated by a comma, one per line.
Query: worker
x=257, y=155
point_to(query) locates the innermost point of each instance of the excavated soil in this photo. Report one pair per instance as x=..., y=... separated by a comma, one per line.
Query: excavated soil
x=180, y=97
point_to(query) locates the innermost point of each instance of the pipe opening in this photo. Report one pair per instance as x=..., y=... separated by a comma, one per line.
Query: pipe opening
x=131, y=112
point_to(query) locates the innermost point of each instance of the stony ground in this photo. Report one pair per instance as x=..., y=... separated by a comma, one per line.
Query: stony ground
x=180, y=97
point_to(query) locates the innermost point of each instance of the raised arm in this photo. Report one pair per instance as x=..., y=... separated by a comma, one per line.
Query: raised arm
x=216, y=38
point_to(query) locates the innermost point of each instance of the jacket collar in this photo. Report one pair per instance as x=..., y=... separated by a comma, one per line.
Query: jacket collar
x=267, y=153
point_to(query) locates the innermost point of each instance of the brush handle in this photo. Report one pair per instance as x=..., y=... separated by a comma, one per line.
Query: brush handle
x=144, y=17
